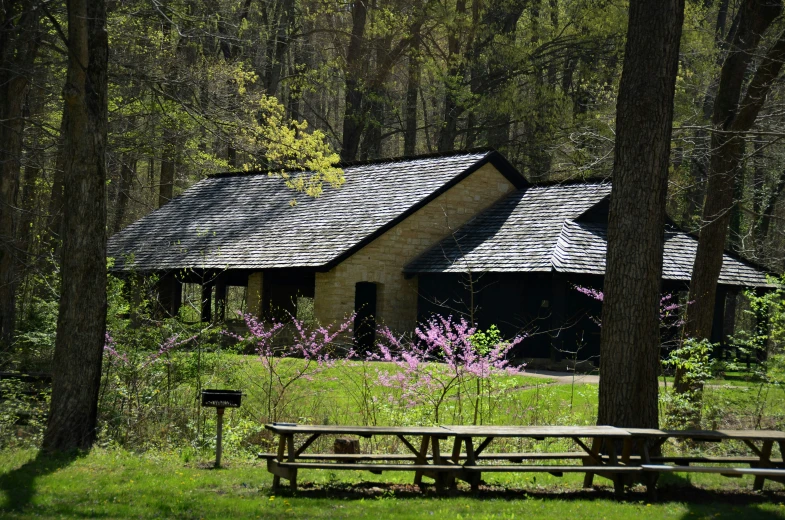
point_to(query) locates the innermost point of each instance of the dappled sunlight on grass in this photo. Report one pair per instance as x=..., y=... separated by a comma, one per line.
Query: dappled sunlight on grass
x=118, y=484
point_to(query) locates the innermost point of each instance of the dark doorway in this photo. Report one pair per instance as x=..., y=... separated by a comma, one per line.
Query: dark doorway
x=365, y=317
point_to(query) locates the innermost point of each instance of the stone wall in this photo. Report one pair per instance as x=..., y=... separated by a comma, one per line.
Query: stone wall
x=383, y=260
x=253, y=296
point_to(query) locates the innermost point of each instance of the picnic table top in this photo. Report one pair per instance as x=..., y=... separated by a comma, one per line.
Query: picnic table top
x=525, y=431
x=537, y=431
x=285, y=428
x=452, y=431
x=715, y=435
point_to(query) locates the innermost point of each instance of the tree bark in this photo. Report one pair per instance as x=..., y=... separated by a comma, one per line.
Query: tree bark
x=353, y=118
x=127, y=175
x=629, y=352
x=412, y=86
x=166, y=184
x=452, y=85
x=19, y=40
x=55, y=213
x=731, y=120
x=81, y=322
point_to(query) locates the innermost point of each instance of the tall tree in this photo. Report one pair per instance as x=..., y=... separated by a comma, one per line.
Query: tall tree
x=630, y=316
x=353, y=118
x=731, y=120
x=19, y=40
x=81, y=322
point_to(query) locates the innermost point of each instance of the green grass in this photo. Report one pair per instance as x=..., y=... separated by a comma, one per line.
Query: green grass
x=117, y=484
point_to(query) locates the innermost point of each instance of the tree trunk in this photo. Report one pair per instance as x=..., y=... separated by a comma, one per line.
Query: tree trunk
x=452, y=85
x=629, y=354
x=166, y=185
x=353, y=118
x=55, y=213
x=412, y=85
x=127, y=175
x=731, y=120
x=278, y=45
x=81, y=322
x=18, y=46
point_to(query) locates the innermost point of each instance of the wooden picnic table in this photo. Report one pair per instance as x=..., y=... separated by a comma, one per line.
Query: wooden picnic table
x=591, y=439
x=427, y=459
x=599, y=453
x=760, y=442
x=285, y=464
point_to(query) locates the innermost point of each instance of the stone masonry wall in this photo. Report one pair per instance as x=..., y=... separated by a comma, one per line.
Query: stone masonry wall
x=383, y=260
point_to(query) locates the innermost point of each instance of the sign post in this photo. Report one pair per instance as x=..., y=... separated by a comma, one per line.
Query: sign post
x=220, y=400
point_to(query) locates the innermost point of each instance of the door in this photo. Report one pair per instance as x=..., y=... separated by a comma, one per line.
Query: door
x=365, y=314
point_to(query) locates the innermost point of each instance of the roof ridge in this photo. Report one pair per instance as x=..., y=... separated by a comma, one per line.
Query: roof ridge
x=368, y=162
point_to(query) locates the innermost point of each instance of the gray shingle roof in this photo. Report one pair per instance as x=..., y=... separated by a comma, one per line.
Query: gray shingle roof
x=516, y=234
x=245, y=221
x=535, y=229
x=581, y=248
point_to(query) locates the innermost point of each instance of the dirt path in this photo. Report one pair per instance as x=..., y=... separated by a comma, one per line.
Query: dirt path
x=564, y=378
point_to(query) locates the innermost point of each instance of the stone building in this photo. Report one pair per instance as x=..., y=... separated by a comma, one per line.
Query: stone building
x=461, y=233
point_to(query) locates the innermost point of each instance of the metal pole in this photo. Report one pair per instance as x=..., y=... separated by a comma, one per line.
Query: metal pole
x=219, y=437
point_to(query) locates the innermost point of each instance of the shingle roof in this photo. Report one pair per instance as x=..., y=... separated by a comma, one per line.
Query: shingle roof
x=538, y=229
x=581, y=249
x=516, y=234
x=245, y=221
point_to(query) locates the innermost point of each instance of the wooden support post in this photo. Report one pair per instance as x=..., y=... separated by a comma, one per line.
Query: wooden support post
x=207, y=303
x=170, y=295
x=558, y=306
x=717, y=325
x=592, y=460
x=220, y=300
x=437, y=460
x=291, y=458
x=472, y=461
x=219, y=435
x=618, y=480
x=765, y=462
x=279, y=458
x=422, y=458
x=651, y=477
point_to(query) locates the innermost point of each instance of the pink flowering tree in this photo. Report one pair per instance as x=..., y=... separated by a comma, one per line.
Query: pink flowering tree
x=290, y=352
x=439, y=362
x=671, y=311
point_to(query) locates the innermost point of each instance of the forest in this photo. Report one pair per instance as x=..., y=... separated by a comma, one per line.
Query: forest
x=204, y=87
x=109, y=109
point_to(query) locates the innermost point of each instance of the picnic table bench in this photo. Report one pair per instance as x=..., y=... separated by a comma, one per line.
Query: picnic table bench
x=622, y=455
x=760, y=442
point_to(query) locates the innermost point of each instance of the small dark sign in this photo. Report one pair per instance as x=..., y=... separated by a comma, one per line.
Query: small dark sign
x=221, y=398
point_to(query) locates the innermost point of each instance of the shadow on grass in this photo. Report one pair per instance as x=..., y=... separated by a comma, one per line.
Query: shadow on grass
x=19, y=485
x=699, y=501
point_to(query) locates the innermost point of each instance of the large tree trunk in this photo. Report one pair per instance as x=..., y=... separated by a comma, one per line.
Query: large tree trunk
x=731, y=120
x=18, y=46
x=55, y=212
x=452, y=85
x=353, y=120
x=412, y=85
x=629, y=354
x=81, y=322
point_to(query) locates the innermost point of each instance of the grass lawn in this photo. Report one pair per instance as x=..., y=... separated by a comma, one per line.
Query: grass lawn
x=117, y=484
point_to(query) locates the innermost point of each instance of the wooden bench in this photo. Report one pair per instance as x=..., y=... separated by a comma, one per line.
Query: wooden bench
x=760, y=442
x=467, y=462
x=289, y=459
